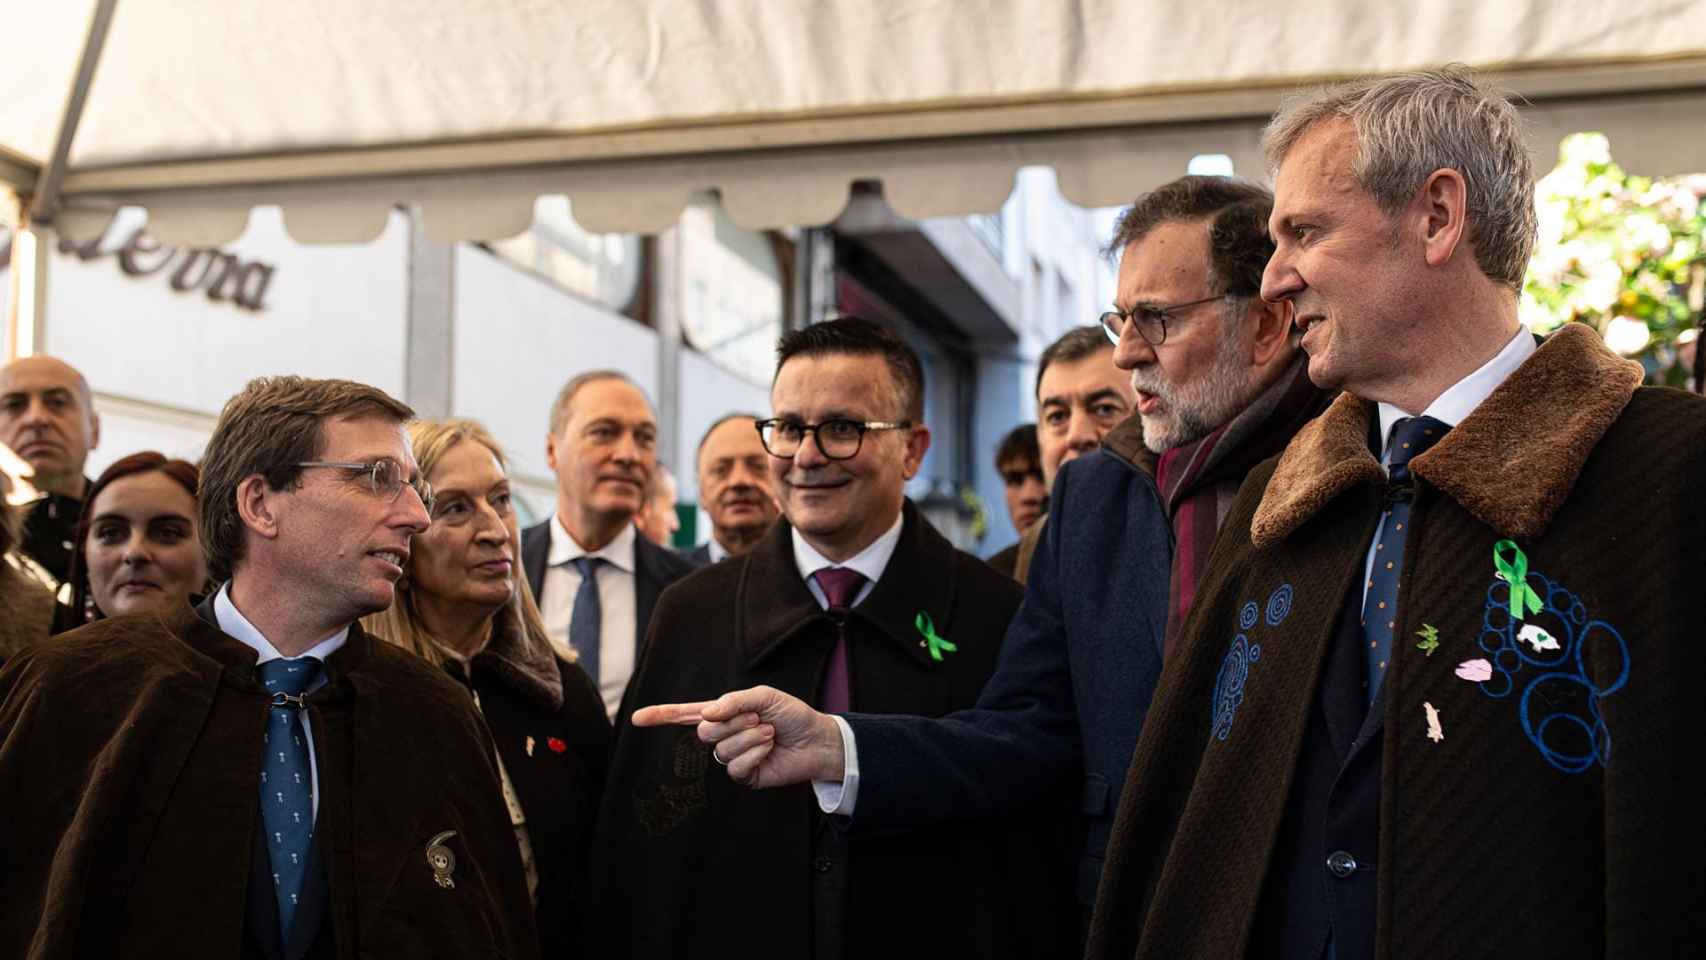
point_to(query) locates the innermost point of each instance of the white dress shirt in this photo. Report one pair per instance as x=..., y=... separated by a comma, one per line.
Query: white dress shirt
x=237, y=627
x=834, y=797
x=1451, y=408
x=618, y=606
x=719, y=553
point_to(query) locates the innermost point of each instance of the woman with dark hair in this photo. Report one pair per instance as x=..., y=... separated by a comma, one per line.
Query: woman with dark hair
x=138, y=547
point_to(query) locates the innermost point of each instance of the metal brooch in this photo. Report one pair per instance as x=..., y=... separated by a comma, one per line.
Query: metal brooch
x=441, y=860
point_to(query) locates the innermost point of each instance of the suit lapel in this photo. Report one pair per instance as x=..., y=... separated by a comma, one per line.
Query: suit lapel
x=647, y=585
x=535, y=556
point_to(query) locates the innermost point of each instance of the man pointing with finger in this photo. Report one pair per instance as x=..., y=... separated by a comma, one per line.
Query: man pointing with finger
x=855, y=602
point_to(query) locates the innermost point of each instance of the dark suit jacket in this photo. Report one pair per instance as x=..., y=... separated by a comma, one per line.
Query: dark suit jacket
x=699, y=556
x=655, y=567
x=1077, y=670
x=132, y=808
x=680, y=847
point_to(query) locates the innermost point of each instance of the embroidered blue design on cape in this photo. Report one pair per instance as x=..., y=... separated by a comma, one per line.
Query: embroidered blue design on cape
x=1279, y=605
x=1247, y=617
x=1558, y=704
x=1229, y=683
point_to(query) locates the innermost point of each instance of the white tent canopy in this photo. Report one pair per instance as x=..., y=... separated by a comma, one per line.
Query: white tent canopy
x=201, y=109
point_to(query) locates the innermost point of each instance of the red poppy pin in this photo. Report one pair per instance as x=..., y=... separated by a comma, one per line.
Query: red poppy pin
x=556, y=745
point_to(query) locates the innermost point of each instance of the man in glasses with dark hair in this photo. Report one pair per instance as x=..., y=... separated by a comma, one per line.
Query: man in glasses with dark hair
x=1220, y=386
x=853, y=602
x=257, y=776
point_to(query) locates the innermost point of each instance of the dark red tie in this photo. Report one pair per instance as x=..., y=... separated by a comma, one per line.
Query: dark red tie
x=839, y=586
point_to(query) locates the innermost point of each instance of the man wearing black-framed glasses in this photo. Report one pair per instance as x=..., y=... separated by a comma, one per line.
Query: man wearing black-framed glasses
x=853, y=602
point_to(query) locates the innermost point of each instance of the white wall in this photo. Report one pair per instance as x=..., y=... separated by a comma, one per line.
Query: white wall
x=162, y=362
x=518, y=339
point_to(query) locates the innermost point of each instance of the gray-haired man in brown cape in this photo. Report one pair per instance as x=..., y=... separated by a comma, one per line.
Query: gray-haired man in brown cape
x=1438, y=690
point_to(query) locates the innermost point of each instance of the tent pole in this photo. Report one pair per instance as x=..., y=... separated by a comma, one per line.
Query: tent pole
x=26, y=313
x=45, y=202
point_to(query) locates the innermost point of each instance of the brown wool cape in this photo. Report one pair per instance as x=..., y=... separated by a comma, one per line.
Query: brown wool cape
x=1578, y=841
x=681, y=850
x=130, y=752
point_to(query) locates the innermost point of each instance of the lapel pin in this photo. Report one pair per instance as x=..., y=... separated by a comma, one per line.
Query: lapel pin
x=529, y=745
x=1430, y=639
x=935, y=641
x=441, y=860
x=1537, y=638
x=1435, y=732
x=1514, y=571
x=1475, y=671
x=556, y=745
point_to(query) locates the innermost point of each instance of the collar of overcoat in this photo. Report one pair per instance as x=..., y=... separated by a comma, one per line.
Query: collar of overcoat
x=1511, y=463
x=525, y=665
x=776, y=605
x=198, y=628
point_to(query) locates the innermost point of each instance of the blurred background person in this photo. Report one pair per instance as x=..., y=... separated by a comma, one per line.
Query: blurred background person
x=464, y=605
x=47, y=417
x=1081, y=396
x=658, y=519
x=138, y=544
x=595, y=578
x=1019, y=463
x=26, y=606
x=735, y=488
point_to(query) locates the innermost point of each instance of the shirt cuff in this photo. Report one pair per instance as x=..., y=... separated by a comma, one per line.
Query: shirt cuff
x=838, y=799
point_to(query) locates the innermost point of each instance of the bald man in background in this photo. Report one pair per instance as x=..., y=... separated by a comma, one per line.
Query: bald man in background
x=47, y=418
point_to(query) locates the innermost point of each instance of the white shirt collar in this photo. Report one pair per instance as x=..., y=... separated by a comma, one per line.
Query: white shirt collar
x=869, y=562
x=238, y=627
x=1458, y=402
x=619, y=552
x=719, y=553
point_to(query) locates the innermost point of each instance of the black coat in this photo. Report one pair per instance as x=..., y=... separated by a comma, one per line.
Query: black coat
x=682, y=851
x=552, y=735
x=655, y=567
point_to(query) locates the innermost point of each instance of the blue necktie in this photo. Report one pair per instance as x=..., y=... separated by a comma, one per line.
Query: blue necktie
x=1410, y=437
x=287, y=783
x=585, y=620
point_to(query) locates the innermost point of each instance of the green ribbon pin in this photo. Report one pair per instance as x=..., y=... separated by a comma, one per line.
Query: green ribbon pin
x=936, y=641
x=1524, y=600
x=1430, y=639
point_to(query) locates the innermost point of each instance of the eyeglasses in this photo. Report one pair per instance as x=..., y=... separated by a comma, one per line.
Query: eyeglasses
x=836, y=439
x=385, y=477
x=1151, y=320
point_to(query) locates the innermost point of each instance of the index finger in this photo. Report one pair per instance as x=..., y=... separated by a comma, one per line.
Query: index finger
x=670, y=714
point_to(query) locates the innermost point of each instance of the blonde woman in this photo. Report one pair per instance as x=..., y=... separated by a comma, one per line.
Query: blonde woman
x=465, y=605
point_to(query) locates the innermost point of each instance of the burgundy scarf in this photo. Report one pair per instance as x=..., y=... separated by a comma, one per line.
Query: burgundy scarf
x=1199, y=480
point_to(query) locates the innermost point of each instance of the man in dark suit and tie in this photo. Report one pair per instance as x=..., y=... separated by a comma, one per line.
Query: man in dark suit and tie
x=735, y=489
x=1220, y=384
x=595, y=578
x=855, y=601
x=258, y=777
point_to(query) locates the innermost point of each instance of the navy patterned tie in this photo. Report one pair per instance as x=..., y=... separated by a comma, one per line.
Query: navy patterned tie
x=287, y=784
x=586, y=618
x=1410, y=437
x=839, y=585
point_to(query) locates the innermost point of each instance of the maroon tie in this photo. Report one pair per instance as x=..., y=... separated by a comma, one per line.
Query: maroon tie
x=839, y=586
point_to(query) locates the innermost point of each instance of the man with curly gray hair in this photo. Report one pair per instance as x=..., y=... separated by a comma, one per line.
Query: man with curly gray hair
x=1441, y=667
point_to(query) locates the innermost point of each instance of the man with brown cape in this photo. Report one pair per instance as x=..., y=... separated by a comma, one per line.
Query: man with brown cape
x=257, y=777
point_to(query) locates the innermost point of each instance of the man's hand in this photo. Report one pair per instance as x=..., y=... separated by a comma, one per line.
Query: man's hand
x=764, y=737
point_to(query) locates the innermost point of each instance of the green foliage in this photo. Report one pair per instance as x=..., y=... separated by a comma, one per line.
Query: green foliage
x=1624, y=253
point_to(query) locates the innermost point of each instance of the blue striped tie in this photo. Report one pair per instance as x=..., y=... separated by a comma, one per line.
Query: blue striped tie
x=1410, y=437
x=287, y=797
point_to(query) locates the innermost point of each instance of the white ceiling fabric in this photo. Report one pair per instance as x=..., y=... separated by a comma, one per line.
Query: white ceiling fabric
x=470, y=108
